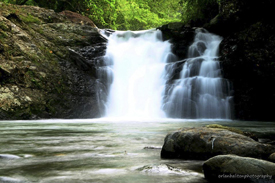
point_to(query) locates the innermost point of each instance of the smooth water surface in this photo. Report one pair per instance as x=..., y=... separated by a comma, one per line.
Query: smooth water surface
x=98, y=150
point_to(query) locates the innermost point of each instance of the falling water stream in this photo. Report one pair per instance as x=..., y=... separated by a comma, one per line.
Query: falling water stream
x=138, y=74
x=139, y=78
x=201, y=92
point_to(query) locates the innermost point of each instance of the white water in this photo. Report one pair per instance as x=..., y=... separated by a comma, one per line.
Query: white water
x=138, y=74
x=201, y=92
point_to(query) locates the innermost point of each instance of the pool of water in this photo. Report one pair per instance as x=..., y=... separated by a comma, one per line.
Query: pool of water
x=99, y=150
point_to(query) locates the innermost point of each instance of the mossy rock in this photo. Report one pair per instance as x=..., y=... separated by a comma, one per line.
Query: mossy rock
x=235, y=130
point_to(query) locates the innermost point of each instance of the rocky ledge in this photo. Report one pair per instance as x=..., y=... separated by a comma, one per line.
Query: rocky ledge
x=41, y=74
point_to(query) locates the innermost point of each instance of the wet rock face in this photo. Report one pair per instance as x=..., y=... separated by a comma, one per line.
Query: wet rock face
x=180, y=36
x=230, y=168
x=247, y=55
x=272, y=157
x=42, y=73
x=77, y=18
x=247, y=59
x=203, y=143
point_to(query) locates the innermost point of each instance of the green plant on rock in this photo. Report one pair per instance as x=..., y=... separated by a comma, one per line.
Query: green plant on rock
x=199, y=10
x=235, y=130
x=4, y=26
x=30, y=19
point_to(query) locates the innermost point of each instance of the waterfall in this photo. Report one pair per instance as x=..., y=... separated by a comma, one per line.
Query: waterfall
x=138, y=66
x=139, y=60
x=201, y=92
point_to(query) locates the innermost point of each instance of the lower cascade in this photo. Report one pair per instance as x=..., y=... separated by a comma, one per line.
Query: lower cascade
x=139, y=65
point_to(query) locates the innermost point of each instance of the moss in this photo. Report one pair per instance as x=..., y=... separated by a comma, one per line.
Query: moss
x=30, y=76
x=4, y=27
x=30, y=19
x=3, y=36
x=235, y=130
x=41, y=31
x=9, y=52
x=49, y=107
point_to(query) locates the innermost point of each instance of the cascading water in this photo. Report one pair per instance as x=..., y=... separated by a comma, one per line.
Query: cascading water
x=201, y=92
x=139, y=70
x=138, y=74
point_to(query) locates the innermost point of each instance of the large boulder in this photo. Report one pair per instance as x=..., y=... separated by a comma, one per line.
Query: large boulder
x=229, y=168
x=203, y=143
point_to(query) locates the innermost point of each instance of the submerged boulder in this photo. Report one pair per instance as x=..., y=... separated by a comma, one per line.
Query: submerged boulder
x=203, y=143
x=229, y=168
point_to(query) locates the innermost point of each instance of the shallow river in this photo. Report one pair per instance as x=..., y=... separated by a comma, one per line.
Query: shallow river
x=99, y=150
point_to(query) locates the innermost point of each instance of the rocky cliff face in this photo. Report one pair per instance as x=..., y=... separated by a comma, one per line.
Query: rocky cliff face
x=43, y=74
x=247, y=53
x=49, y=61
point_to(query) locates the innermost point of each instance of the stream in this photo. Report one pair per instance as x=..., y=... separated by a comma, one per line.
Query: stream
x=100, y=150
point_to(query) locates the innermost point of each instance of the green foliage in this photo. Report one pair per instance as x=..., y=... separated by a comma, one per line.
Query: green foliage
x=141, y=14
x=203, y=10
x=131, y=14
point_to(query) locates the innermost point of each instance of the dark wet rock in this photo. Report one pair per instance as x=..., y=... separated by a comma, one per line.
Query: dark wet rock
x=77, y=18
x=174, y=69
x=246, y=53
x=272, y=157
x=236, y=15
x=180, y=36
x=203, y=143
x=231, y=168
x=247, y=59
x=42, y=72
